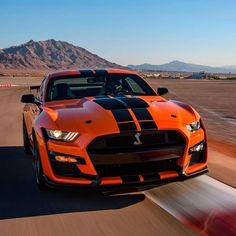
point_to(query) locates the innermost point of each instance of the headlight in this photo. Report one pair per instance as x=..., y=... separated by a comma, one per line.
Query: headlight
x=194, y=126
x=62, y=135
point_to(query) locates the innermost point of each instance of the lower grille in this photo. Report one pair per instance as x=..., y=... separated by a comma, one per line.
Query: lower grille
x=136, y=168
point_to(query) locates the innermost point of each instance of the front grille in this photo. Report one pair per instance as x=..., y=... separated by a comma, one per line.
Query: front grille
x=124, y=143
x=114, y=155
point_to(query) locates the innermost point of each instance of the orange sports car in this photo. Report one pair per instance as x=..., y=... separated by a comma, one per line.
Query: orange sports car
x=107, y=128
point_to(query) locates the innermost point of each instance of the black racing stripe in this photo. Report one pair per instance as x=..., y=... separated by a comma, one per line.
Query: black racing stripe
x=119, y=111
x=122, y=115
x=101, y=72
x=133, y=102
x=119, y=108
x=86, y=72
x=110, y=103
x=148, y=125
x=142, y=114
x=130, y=126
x=130, y=179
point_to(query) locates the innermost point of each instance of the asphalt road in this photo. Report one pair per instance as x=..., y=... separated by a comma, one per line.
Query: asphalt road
x=202, y=204
x=24, y=210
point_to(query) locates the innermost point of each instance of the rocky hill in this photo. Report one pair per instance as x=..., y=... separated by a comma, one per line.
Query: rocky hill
x=49, y=55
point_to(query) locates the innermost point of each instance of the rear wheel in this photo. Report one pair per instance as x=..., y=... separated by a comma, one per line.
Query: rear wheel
x=27, y=146
x=39, y=176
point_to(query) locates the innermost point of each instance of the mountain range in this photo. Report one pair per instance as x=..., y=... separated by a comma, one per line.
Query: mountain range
x=180, y=66
x=49, y=55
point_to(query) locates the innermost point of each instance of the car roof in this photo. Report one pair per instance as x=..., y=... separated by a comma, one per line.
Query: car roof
x=90, y=72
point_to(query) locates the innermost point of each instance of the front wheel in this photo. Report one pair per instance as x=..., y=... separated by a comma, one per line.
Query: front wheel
x=39, y=176
x=27, y=146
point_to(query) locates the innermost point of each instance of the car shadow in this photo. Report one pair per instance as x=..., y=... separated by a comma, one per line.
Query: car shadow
x=20, y=197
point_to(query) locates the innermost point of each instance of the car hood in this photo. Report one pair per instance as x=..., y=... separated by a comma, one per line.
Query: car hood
x=102, y=115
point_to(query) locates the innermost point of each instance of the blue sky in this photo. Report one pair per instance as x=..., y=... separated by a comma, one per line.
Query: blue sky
x=128, y=31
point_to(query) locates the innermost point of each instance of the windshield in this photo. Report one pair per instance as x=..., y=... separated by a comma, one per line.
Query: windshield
x=114, y=84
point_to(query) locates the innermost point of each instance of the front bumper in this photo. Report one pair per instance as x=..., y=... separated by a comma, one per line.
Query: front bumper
x=126, y=187
x=88, y=176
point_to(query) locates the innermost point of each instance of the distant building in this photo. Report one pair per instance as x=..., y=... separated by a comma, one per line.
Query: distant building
x=198, y=75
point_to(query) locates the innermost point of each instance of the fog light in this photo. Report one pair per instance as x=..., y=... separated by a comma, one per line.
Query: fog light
x=65, y=159
x=197, y=148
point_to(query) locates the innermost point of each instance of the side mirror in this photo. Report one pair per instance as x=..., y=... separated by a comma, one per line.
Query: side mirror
x=162, y=91
x=27, y=98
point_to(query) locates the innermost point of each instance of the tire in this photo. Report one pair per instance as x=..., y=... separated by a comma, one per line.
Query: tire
x=39, y=176
x=27, y=146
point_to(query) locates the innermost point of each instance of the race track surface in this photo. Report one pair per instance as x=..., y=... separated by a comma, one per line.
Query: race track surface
x=197, y=206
